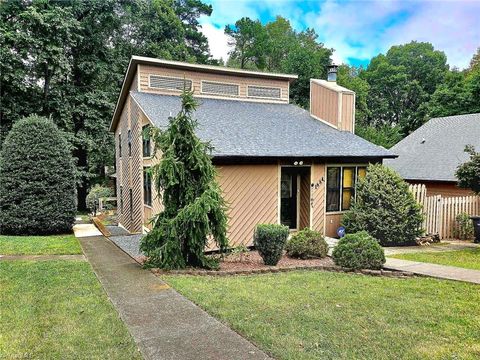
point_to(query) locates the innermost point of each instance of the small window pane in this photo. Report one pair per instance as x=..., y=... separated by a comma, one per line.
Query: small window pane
x=348, y=177
x=146, y=141
x=362, y=171
x=347, y=199
x=333, y=189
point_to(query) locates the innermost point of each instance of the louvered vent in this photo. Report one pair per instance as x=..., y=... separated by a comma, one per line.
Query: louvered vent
x=162, y=82
x=264, y=92
x=219, y=88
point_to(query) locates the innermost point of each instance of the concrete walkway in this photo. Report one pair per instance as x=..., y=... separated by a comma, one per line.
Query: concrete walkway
x=164, y=324
x=85, y=230
x=434, y=270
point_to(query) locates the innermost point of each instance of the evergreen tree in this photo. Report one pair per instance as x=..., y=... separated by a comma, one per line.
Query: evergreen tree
x=194, y=210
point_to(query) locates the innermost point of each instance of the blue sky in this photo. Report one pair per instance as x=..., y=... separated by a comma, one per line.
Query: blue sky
x=359, y=30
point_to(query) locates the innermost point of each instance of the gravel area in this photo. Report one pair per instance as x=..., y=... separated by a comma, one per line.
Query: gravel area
x=252, y=261
x=129, y=243
x=117, y=230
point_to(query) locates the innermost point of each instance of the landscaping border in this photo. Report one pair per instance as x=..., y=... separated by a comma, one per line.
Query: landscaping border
x=275, y=269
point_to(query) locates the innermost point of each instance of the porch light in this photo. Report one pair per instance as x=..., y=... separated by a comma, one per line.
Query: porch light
x=332, y=73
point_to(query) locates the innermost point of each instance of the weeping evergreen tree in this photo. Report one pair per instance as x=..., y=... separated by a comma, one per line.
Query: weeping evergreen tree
x=194, y=210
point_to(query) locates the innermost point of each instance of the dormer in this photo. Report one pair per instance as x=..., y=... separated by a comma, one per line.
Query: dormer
x=170, y=77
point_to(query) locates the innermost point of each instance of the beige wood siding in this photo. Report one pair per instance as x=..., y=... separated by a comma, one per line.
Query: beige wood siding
x=348, y=112
x=304, y=202
x=197, y=77
x=129, y=168
x=324, y=103
x=333, y=104
x=318, y=197
x=251, y=192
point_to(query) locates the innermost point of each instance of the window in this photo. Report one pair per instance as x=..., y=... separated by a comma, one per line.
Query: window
x=129, y=142
x=264, y=92
x=333, y=189
x=121, y=199
x=131, y=204
x=119, y=145
x=220, y=88
x=341, y=183
x=169, y=83
x=147, y=146
x=147, y=187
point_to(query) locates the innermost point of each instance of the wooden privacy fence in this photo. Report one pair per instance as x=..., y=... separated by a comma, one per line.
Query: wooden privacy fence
x=440, y=212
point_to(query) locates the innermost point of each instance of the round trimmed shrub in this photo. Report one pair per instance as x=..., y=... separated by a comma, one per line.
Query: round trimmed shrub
x=359, y=251
x=307, y=244
x=270, y=240
x=37, y=180
x=95, y=193
x=385, y=208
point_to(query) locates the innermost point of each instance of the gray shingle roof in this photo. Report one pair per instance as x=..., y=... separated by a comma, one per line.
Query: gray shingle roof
x=241, y=128
x=438, y=156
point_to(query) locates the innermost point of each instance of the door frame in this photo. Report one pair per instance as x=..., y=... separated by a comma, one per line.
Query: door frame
x=309, y=166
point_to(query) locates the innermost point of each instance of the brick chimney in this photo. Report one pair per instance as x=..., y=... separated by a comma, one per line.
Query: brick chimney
x=332, y=103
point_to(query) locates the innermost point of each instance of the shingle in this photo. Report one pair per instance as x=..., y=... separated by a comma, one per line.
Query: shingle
x=434, y=151
x=241, y=128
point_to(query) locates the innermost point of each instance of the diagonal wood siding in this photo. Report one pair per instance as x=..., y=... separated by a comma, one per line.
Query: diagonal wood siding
x=251, y=192
x=318, y=197
x=304, y=202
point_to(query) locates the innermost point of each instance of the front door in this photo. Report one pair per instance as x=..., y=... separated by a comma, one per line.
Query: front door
x=288, y=197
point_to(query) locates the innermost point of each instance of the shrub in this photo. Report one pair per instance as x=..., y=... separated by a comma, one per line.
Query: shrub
x=37, y=180
x=385, y=208
x=307, y=244
x=358, y=251
x=463, y=227
x=270, y=241
x=95, y=193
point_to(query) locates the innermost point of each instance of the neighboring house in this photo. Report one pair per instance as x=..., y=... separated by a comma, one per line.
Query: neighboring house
x=276, y=162
x=431, y=154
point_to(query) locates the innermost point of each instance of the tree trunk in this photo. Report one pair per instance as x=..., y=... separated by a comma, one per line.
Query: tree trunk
x=82, y=186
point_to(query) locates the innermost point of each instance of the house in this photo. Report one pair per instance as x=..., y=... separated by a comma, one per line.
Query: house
x=276, y=162
x=431, y=154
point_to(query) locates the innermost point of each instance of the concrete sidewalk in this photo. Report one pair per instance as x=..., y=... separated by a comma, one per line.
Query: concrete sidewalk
x=434, y=270
x=164, y=324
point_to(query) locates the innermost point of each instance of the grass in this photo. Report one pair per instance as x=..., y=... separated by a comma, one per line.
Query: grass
x=466, y=258
x=312, y=315
x=58, y=310
x=39, y=245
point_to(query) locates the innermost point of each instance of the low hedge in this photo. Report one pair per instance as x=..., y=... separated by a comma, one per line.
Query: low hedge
x=270, y=240
x=359, y=251
x=307, y=244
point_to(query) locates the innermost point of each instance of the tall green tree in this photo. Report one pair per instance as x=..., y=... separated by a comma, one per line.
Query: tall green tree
x=194, y=209
x=248, y=39
x=276, y=47
x=66, y=60
x=401, y=84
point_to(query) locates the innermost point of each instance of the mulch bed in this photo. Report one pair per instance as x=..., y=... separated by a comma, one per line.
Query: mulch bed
x=251, y=263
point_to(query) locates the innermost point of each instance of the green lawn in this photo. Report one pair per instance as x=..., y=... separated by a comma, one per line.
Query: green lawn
x=323, y=315
x=39, y=245
x=58, y=310
x=467, y=258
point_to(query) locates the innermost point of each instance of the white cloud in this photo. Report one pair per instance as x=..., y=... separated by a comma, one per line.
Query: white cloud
x=217, y=40
x=362, y=29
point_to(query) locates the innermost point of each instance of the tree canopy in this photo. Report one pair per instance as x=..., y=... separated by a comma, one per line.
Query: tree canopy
x=66, y=60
